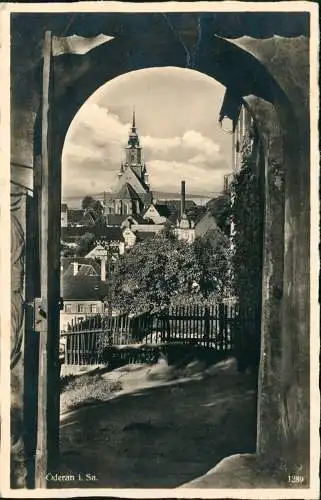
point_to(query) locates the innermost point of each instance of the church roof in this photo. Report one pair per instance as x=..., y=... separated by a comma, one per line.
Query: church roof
x=127, y=192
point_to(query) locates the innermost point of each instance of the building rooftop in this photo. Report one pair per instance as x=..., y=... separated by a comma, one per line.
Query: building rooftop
x=106, y=233
x=115, y=219
x=144, y=235
x=81, y=261
x=83, y=288
x=86, y=284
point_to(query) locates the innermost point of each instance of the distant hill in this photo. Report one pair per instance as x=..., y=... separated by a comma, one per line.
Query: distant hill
x=199, y=199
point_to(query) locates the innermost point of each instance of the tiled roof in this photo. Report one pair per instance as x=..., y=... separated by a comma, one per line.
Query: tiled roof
x=66, y=261
x=163, y=210
x=110, y=233
x=176, y=204
x=83, y=287
x=144, y=235
x=171, y=209
x=71, y=233
x=115, y=219
x=106, y=233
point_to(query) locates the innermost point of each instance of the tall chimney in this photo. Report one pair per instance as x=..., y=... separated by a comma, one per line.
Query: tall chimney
x=75, y=268
x=103, y=269
x=182, y=198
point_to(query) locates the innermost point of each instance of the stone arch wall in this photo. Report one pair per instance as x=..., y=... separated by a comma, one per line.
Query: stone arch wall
x=274, y=99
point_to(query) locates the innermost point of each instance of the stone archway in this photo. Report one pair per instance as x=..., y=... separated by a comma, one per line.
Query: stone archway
x=286, y=173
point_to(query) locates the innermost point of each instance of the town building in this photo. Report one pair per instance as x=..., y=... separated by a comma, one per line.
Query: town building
x=82, y=289
x=107, y=236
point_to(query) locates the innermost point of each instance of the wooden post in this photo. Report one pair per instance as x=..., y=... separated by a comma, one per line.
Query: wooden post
x=207, y=325
x=49, y=213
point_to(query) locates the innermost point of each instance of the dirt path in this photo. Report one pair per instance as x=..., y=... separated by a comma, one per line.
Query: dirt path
x=163, y=429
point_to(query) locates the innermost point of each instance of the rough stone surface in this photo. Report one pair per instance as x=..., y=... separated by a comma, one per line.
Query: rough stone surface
x=239, y=471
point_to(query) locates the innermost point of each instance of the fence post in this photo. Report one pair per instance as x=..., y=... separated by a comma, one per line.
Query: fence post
x=207, y=325
x=221, y=325
x=66, y=350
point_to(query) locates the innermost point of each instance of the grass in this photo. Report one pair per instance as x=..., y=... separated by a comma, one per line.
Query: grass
x=81, y=390
x=88, y=388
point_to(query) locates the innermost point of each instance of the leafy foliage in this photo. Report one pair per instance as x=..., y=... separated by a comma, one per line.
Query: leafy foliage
x=220, y=208
x=154, y=270
x=85, y=243
x=247, y=218
x=161, y=270
x=94, y=208
x=213, y=254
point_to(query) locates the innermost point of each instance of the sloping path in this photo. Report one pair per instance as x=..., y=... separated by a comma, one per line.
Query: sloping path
x=165, y=428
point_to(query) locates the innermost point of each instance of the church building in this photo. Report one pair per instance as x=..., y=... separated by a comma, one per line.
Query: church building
x=132, y=194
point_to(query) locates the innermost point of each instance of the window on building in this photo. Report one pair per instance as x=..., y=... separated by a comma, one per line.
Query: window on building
x=93, y=308
x=68, y=308
x=81, y=308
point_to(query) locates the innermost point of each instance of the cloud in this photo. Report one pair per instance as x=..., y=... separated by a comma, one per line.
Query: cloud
x=167, y=176
x=198, y=159
x=94, y=148
x=195, y=140
x=163, y=144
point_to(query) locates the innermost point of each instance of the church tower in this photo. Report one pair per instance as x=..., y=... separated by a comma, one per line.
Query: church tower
x=134, y=156
x=132, y=194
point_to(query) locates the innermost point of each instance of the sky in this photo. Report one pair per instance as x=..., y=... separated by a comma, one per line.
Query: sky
x=177, y=120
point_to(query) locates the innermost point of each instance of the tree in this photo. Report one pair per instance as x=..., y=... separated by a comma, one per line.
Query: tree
x=96, y=207
x=213, y=254
x=87, y=202
x=85, y=243
x=247, y=216
x=152, y=272
x=248, y=224
x=96, y=210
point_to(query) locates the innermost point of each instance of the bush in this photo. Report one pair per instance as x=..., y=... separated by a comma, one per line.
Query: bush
x=176, y=354
x=114, y=357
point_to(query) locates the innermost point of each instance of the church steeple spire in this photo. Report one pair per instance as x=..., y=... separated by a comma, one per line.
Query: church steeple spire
x=133, y=139
x=134, y=121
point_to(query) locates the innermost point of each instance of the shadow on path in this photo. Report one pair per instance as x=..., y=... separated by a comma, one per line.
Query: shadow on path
x=162, y=436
